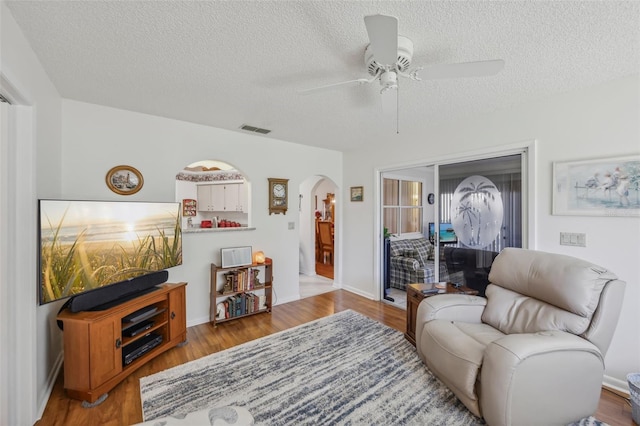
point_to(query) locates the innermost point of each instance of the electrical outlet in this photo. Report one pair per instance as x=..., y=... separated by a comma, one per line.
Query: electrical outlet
x=573, y=239
x=292, y=225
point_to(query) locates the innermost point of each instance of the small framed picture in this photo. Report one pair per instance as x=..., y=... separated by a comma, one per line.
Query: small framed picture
x=124, y=180
x=356, y=193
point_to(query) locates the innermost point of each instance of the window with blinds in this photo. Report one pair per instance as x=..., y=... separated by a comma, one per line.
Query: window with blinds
x=402, y=206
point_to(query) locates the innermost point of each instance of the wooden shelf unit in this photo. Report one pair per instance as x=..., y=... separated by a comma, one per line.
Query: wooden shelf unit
x=94, y=340
x=218, y=295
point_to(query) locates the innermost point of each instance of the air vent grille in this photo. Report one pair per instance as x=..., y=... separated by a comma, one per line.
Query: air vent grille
x=254, y=129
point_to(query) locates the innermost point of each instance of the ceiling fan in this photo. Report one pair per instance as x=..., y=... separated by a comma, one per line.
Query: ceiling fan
x=388, y=56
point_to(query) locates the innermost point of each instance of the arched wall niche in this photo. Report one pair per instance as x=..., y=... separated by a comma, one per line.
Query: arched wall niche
x=213, y=192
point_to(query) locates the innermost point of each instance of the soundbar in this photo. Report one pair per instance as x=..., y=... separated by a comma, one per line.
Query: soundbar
x=135, y=350
x=103, y=298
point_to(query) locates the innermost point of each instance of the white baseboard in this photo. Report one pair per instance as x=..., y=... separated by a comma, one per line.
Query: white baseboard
x=358, y=292
x=197, y=321
x=617, y=384
x=287, y=300
x=51, y=381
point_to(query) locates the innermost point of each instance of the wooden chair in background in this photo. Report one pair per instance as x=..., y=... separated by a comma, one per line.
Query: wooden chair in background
x=326, y=241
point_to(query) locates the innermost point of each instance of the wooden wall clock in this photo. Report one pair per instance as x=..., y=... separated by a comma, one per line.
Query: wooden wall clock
x=278, y=194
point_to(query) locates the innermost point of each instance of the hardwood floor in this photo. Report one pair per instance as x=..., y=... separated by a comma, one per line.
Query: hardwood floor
x=122, y=407
x=324, y=269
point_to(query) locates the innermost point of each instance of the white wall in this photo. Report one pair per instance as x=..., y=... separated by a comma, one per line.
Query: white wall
x=96, y=138
x=307, y=226
x=598, y=122
x=36, y=159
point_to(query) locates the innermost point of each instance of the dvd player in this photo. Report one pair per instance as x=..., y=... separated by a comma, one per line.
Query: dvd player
x=141, y=314
x=137, y=328
x=135, y=350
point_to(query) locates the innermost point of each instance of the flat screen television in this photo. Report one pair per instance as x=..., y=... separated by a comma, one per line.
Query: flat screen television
x=447, y=234
x=85, y=246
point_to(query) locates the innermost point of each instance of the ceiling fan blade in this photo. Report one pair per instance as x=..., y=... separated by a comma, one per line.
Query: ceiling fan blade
x=334, y=85
x=383, y=36
x=461, y=70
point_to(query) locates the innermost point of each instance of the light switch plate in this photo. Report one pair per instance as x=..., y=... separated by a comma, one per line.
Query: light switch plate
x=573, y=239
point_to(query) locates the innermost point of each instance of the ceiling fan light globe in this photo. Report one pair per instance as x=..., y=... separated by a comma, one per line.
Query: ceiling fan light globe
x=388, y=80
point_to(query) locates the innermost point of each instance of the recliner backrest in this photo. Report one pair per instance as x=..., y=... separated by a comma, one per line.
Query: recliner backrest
x=534, y=291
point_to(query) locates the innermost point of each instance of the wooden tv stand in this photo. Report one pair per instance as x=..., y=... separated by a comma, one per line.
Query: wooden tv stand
x=94, y=341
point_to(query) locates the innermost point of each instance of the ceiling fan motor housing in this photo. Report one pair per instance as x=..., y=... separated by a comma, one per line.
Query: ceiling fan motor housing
x=405, y=54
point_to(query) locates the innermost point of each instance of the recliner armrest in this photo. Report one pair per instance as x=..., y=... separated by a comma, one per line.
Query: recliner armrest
x=523, y=374
x=455, y=307
x=524, y=345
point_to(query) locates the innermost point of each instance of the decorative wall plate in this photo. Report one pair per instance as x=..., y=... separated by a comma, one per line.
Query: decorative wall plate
x=124, y=180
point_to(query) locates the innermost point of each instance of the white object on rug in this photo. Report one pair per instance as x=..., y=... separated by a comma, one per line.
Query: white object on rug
x=218, y=416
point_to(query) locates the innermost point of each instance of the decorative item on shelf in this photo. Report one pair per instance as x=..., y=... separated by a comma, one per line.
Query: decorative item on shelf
x=124, y=180
x=189, y=207
x=357, y=193
x=220, y=311
x=256, y=280
x=228, y=284
x=258, y=257
x=236, y=256
x=278, y=194
x=228, y=224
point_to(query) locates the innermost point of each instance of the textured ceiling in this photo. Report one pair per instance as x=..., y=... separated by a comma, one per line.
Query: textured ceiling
x=226, y=63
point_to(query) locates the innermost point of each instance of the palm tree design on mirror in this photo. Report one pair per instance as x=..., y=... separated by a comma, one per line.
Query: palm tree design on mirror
x=476, y=212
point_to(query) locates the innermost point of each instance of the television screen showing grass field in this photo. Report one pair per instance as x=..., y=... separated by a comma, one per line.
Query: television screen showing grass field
x=85, y=245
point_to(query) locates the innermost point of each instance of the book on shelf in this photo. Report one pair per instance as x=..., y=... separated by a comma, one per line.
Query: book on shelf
x=241, y=280
x=243, y=304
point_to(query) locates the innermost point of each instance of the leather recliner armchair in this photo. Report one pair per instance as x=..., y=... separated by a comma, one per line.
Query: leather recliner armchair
x=533, y=351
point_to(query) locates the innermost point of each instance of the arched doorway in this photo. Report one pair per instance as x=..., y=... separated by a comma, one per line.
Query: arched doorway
x=318, y=205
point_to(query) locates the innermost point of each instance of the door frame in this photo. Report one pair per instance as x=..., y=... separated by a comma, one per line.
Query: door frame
x=526, y=148
x=19, y=360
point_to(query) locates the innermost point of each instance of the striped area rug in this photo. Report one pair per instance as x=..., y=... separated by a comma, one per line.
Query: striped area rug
x=342, y=369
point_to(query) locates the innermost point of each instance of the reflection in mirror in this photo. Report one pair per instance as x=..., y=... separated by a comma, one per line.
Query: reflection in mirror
x=213, y=195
